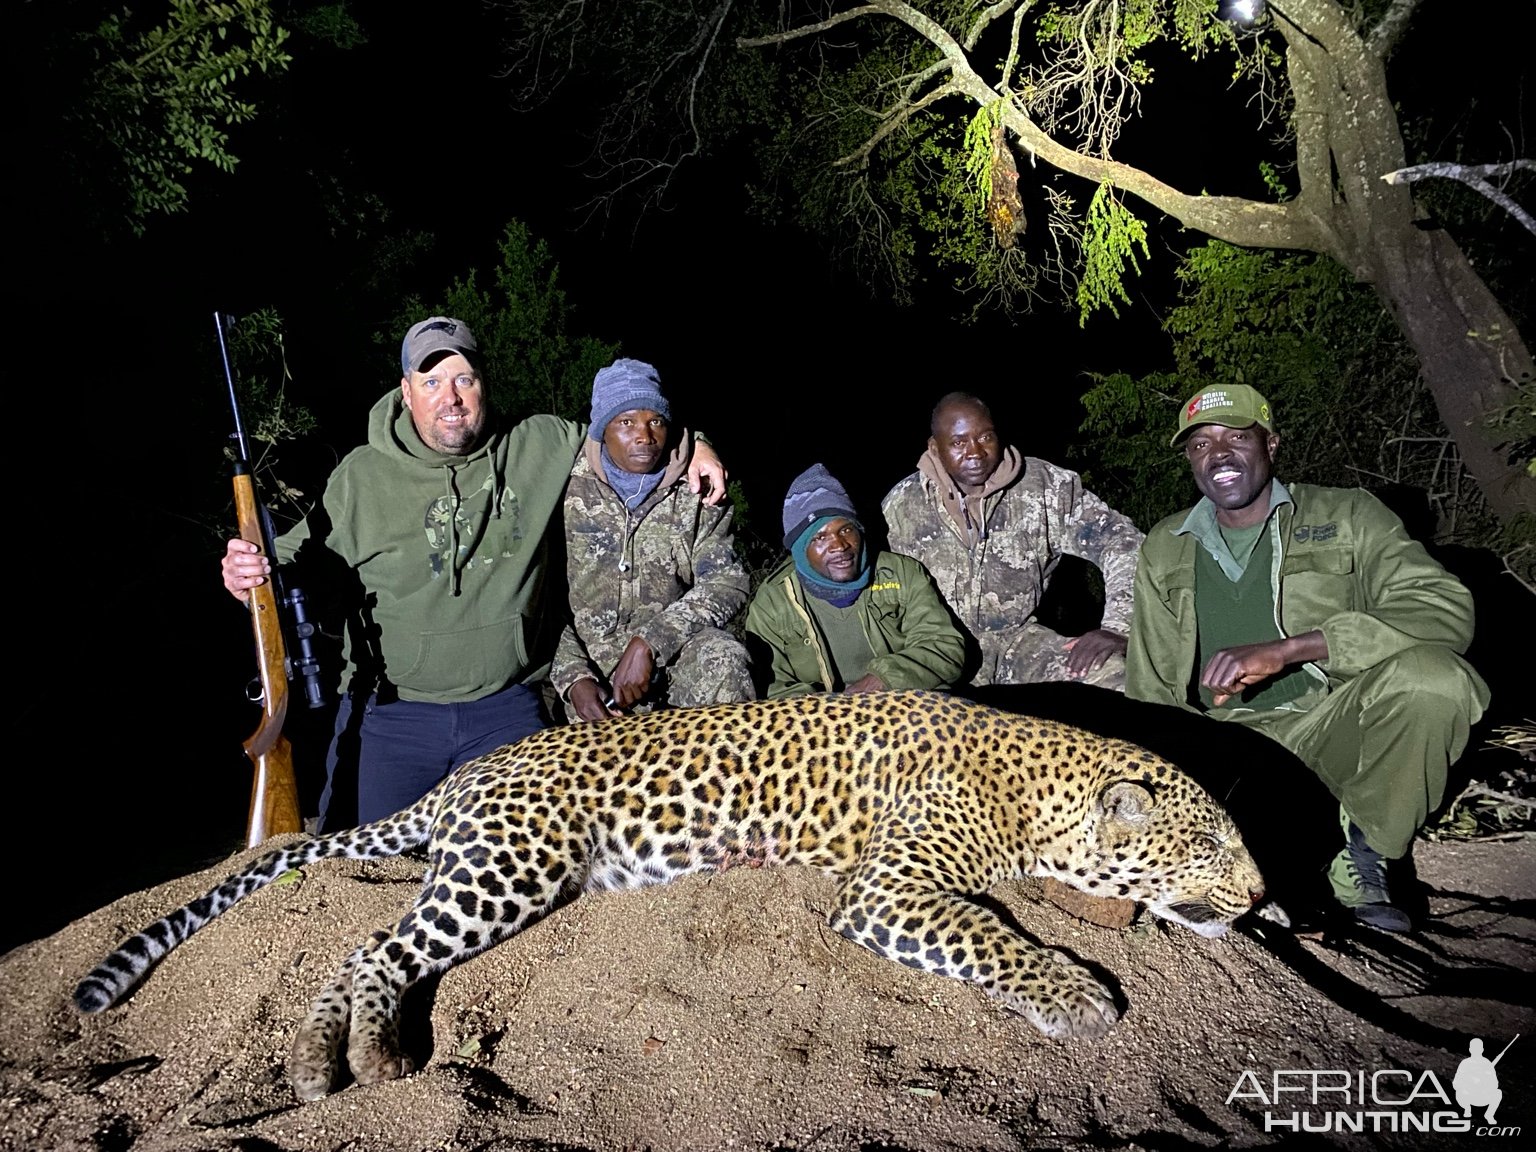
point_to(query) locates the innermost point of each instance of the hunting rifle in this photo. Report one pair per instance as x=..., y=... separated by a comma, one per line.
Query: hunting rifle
x=279, y=623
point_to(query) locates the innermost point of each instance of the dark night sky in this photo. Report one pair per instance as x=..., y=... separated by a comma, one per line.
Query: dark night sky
x=783, y=359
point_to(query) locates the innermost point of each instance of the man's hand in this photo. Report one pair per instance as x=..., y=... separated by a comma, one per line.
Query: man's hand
x=1232, y=669
x=706, y=474
x=244, y=568
x=869, y=682
x=1091, y=649
x=632, y=676
x=587, y=700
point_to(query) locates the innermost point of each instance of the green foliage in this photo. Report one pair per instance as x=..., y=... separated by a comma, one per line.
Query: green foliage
x=1111, y=235
x=1113, y=42
x=330, y=24
x=162, y=98
x=530, y=360
x=1332, y=362
x=259, y=363
x=1126, y=428
x=1272, y=181
x=976, y=154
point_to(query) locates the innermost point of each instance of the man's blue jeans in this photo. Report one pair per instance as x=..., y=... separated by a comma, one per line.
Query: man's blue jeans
x=385, y=757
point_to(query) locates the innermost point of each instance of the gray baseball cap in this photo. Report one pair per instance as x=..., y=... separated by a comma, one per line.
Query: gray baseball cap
x=435, y=334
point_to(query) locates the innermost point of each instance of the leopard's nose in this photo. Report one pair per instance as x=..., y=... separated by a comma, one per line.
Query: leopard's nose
x=1255, y=894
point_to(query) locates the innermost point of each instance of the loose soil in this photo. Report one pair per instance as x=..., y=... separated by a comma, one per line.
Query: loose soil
x=720, y=1012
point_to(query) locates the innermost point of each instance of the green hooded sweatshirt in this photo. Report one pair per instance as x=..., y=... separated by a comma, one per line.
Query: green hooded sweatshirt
x=450, y=552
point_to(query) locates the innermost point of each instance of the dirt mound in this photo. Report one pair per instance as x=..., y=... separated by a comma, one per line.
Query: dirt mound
x=720, y=1012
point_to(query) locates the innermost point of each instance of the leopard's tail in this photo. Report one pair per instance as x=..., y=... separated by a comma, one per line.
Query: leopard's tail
x=128, y=963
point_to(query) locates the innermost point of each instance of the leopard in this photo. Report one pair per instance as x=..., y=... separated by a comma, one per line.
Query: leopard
x=920, y=802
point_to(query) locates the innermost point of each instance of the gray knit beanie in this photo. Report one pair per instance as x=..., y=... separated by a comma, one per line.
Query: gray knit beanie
x=622, y=386
x=813, y=494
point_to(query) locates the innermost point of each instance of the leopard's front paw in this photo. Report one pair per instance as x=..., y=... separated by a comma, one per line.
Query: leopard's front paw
x=1065, y=1002
x=378, y=1061
x=311, y=1066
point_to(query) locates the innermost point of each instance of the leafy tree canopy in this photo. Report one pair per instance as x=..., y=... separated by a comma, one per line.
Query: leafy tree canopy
x=137, y=100
x=522, y=322
x=886, y=125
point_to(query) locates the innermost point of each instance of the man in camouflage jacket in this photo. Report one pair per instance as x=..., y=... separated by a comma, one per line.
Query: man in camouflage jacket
x=991, y=526
x=653, y=577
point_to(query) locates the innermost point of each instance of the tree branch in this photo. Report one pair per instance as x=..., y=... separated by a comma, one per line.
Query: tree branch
x=891, y=121
x=985, y=17
x=1380, y=40
x=1474, y=176
x=805, y=30
x=1239, y=221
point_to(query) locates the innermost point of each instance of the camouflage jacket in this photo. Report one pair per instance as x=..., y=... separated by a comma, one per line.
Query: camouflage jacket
x=662, y=571
x=992, y=554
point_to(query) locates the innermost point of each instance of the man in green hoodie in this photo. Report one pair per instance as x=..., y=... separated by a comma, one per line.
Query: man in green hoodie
x=441, y=520
x=1309, y=614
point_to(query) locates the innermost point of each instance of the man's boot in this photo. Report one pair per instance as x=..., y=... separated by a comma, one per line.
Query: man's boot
x=1359, y=878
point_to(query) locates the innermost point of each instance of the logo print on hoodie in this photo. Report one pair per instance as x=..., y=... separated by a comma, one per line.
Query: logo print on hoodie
x=444, y=515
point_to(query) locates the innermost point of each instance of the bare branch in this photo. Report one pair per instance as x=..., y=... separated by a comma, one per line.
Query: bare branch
x=889, y=123
x=1011, y=61
x=805, y=30
x=1514, y=571
x=985, y=17
x=1389, y=29
x=1474, y=790
x=1474, y=176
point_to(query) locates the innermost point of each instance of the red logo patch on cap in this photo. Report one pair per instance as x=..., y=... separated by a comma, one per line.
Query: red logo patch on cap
x=1194, y=405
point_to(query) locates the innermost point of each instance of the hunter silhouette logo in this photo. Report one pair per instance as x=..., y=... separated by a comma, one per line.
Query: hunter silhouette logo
x=1477, y=1080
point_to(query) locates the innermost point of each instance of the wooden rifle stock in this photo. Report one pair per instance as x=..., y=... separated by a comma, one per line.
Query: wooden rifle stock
x=274, y=789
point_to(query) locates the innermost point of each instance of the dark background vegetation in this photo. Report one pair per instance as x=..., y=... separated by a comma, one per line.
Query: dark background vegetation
x=383, y=170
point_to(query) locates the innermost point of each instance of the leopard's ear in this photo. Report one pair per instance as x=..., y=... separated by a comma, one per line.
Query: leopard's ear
x=1127, y=800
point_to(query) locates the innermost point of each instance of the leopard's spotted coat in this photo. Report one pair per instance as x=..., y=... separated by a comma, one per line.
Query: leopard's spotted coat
x=918, y=800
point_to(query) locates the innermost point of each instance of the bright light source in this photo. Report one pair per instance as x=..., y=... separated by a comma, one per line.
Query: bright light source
x=1243, y=13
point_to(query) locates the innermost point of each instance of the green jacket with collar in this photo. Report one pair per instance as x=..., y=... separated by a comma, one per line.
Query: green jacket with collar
x=909, y=629
x=1343, y=563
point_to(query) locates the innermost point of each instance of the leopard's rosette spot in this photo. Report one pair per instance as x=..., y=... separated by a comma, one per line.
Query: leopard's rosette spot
x=919, y=800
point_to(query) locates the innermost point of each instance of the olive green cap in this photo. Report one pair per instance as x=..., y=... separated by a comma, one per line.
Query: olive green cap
x=1232, y=406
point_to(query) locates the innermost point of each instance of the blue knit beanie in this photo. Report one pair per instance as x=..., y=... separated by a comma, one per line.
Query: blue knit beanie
x=814, y=494
x=622, y=386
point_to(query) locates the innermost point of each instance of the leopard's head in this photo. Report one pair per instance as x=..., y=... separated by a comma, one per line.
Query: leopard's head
x=1162, y=840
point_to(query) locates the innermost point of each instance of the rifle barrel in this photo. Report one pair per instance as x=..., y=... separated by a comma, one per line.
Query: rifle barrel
x=274, y=789
x=1506, y=1048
